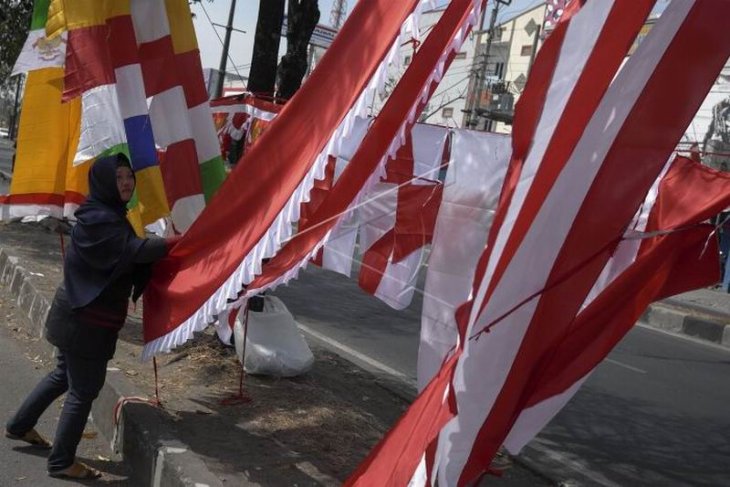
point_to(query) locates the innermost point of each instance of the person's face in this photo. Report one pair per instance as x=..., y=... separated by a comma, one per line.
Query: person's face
x=125, y=183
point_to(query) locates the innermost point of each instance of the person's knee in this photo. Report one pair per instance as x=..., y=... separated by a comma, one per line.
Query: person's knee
x=84, y=394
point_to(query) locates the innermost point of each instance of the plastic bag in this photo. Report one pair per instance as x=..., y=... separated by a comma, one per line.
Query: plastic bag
x=274, y=345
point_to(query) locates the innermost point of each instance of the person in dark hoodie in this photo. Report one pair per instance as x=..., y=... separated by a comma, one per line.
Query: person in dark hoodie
x=105, y=264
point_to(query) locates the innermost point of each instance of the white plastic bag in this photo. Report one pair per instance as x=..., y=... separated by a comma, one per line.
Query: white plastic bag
x=274, y=345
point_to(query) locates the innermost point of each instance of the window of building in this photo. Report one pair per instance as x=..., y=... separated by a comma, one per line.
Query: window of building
x=407, y=60
x=447, y=112
x=526, y=50
x=460, y=55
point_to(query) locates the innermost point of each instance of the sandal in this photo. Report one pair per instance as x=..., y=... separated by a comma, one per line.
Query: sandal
x=77, y=470
x=32, y=437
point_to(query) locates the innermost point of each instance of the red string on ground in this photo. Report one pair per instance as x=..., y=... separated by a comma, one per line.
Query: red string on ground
x=240, y=397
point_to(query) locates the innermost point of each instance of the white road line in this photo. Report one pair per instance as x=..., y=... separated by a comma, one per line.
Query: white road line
x=620, y=364
x=355, y=354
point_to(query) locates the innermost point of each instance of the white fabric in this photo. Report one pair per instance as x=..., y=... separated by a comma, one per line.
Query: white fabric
x=130, y=88
x=474, y=179
x=150, y=20
x=348, y=145
x=398, y=284
x=428, y=149
x=38, y=52
x=203, y=130
x=186, y=210
x=338, y=252
x=102, y=126
x=377, y=214
x=169, y=116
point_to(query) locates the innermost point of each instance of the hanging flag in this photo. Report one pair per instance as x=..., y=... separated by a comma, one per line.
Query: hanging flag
x=575, y=157
x=474, y=178
x=667, y=250
x=398, y=217
x=45, y=183
x=179, y=110
x=235, y=117
x=39, y=51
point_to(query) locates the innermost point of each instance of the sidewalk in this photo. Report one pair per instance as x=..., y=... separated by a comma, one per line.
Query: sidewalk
x=703, y=314
x=311, y=430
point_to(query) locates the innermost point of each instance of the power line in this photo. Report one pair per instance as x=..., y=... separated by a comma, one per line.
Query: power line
x=338, y=13
x=221, y=41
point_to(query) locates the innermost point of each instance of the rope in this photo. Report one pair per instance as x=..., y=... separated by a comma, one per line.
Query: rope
x=63, y=246
x=123, y=400
x=240, y=397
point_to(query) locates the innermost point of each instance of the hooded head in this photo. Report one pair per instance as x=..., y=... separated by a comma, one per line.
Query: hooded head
x=110, y=183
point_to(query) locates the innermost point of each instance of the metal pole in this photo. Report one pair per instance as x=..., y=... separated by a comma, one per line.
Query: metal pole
x=534, y=50
x=14, y=119
x=224, y=54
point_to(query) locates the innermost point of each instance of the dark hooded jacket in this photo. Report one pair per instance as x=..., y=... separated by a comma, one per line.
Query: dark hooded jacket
x=104, y=262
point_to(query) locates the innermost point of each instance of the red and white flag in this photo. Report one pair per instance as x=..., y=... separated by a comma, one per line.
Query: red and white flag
x=588, y=145
x=590, y=138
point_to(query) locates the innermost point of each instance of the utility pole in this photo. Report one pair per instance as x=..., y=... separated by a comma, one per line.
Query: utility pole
x=338, y=13
x=224, y=54
x=480, y=73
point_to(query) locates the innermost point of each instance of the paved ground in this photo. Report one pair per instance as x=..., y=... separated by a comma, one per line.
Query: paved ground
x=24, y=465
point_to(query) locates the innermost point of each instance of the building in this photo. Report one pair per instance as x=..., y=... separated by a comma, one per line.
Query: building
x=449, y=99
x=502, y=78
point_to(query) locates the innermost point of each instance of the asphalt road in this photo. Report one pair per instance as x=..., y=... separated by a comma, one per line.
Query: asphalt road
x=24, y=465
x=655, y=413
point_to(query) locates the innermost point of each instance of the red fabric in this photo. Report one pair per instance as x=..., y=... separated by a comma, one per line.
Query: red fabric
x=394, y=459
x=241, y=213
x=374, y=263
x=666, y=265
x=193, y=86
x=180, y=170
x=650, y=133
x=375, y=143
x=42, y=199
x=159, y=66
x=415, y=218
x=88, y=63
x=123, y=50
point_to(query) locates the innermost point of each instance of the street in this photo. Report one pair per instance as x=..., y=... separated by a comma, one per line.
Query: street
x=22, y=464
x=655, y=413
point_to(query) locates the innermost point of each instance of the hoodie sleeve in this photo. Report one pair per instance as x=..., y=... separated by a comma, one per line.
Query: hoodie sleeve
x=151, y=250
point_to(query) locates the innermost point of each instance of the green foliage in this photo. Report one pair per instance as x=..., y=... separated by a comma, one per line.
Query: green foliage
x=14, y=25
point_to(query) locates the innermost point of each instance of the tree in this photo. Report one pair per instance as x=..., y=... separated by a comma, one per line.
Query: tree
x=14, y=26
x=262, y=75
x=302, y=19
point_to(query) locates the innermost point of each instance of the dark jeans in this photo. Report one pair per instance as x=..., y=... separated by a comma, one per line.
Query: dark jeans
x=83, y=378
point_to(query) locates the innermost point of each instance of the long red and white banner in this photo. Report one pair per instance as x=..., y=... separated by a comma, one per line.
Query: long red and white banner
x=251, y=220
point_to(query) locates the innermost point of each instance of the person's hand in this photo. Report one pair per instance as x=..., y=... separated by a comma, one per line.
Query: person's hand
x=171, y=241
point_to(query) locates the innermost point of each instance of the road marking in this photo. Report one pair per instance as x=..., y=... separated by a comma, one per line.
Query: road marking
x=621, y=364
x=355, y=354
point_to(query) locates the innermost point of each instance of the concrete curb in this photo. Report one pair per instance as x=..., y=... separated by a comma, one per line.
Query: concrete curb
x=689, y=319
x=146, y=437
